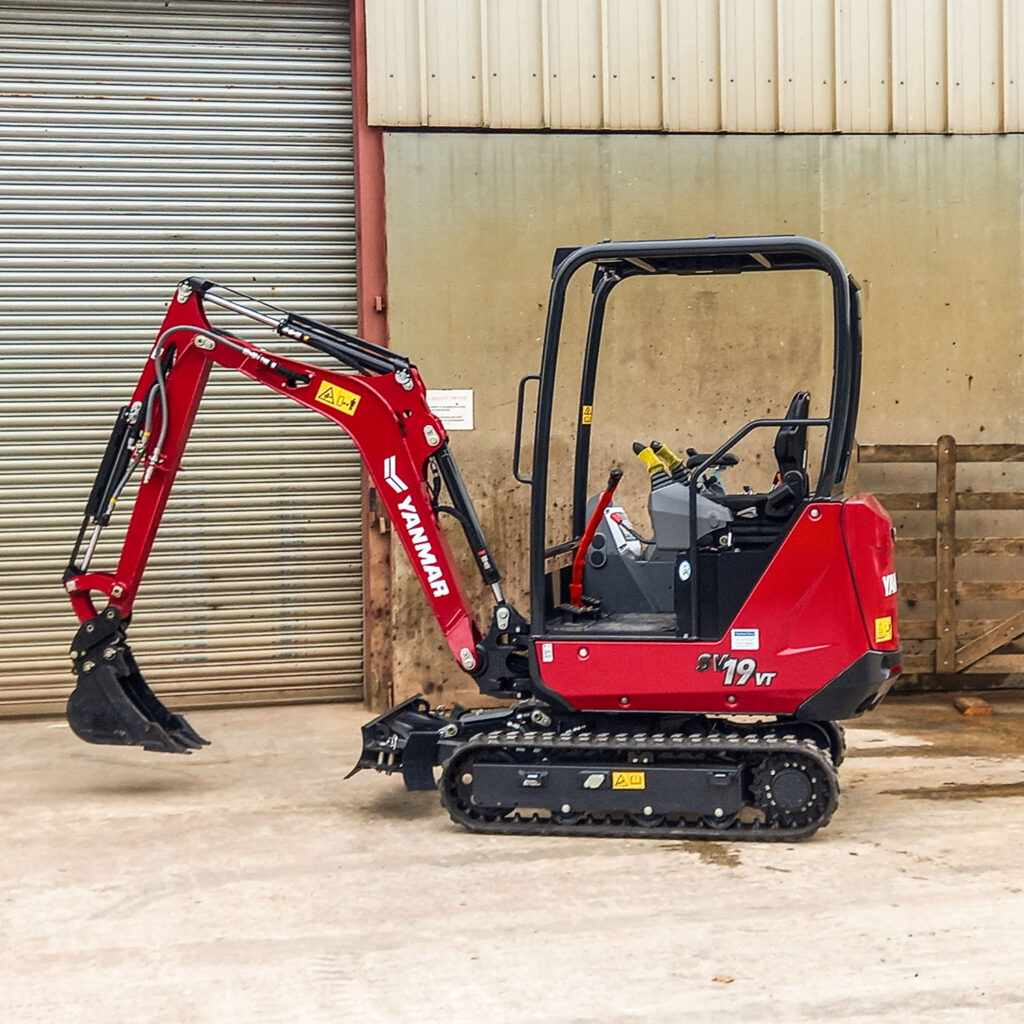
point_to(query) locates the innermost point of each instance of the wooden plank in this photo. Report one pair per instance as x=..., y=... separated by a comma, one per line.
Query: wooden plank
x=914, y=664
x=990, y=452
x=907, y=501
x=917, y=590
x=917, y=629
x=978, y=638
x=991, y=641
x=989, y=590
x=918, y=648
x=972, y=706
x=915, y=547
x=997, y=664
x=970, y=629
x=988, y=546
x=896, y=453
x=989, y=501
x=945, y=554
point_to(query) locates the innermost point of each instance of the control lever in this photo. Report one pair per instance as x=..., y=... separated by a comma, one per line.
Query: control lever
x=711, y=483
x=697, y=459
x=576, y=583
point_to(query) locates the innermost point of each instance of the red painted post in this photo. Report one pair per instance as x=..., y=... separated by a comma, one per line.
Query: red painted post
x=371, y=290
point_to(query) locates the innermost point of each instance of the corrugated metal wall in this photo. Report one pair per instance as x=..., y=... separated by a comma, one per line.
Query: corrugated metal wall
x=141, y=141
x=860, y=66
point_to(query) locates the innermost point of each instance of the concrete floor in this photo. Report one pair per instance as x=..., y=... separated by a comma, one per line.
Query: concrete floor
x=250, y=883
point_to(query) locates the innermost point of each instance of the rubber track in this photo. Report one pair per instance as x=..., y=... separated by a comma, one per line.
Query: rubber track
x=747, y=749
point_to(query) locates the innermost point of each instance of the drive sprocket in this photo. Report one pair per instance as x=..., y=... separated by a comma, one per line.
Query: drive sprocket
x=793, y=789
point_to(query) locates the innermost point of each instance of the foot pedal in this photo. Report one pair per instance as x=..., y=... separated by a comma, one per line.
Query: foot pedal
x=588, y=610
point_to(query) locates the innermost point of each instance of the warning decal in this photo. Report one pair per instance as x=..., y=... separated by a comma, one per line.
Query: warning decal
x=883, y=629
x=629, y=780
x=337, y=398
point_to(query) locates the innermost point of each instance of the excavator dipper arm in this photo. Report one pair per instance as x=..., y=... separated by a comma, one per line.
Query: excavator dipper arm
x=382, y=407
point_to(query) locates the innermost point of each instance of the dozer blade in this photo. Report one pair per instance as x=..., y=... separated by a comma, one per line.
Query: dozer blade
x=112, y=702
x=410, y=739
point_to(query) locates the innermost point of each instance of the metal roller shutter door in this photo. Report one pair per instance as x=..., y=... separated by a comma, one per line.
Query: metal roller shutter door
x=141, y=142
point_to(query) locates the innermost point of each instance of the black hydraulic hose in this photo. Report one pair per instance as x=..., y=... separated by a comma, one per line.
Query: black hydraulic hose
x=466, y=514
x=349, y=349
x=291, y=320
x=116, y=444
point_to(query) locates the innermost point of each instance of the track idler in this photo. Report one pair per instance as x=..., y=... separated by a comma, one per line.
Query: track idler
x=112, y=703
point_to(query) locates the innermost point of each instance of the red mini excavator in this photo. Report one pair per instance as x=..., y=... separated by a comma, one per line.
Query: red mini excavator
x=682, y=685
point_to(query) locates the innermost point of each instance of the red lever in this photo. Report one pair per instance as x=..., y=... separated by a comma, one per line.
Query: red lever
x=576, y=584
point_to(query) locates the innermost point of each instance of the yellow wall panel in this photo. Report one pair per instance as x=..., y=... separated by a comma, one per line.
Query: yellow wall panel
x=514, y=78
x=1013, y=67
x=575, y=62
x=863, y=56
x=632, y=72
x=919, y=66
x=749, y=43
x=454, y=67
x=975, y=31
x=691, y=71
x=393, y=70
x=814, y=66
x=806, y=78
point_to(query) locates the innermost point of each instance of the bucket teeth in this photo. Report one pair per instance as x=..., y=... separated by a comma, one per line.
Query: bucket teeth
x=143, y=697
x=112, y=703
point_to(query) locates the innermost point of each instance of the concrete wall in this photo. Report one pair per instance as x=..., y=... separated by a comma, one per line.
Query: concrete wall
x=931, y=226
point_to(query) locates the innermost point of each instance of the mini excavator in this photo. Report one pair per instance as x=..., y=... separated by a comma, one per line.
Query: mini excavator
x=685, y=685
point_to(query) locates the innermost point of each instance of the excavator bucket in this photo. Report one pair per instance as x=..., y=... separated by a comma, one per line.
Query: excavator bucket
x=112, y=702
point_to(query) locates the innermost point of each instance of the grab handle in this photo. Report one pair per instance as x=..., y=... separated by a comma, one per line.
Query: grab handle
x=519, y=429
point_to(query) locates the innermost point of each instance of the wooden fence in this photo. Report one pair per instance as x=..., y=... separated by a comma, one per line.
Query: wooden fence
x=958, y=588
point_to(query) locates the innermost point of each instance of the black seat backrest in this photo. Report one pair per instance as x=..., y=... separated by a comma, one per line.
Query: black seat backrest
x=791, y=441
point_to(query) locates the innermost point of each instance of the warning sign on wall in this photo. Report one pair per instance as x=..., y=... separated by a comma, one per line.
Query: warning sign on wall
x=452, y=406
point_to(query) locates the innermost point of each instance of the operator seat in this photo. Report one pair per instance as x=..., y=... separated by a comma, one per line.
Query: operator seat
x=791, y=484
x=791, y=441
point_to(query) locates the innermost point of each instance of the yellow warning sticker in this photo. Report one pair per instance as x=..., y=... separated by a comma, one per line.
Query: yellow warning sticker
x=629, y=780
x=587, y=415
x=337, y=398
x=883, y=629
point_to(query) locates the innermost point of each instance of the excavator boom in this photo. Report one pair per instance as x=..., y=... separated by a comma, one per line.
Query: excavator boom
x=381, y=404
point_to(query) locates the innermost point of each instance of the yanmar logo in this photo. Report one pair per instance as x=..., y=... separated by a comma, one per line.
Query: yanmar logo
x=415, y=532
x=889, y=584
x=393, y=480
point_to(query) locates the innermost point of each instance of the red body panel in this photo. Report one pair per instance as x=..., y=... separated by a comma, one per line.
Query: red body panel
x=868, y=532
x=803, y=625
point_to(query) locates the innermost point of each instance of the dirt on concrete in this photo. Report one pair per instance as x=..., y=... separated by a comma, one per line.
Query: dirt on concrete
x=251, y=883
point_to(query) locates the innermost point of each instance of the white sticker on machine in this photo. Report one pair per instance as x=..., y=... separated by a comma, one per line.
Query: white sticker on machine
x=547, y=652
x=746, y=639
